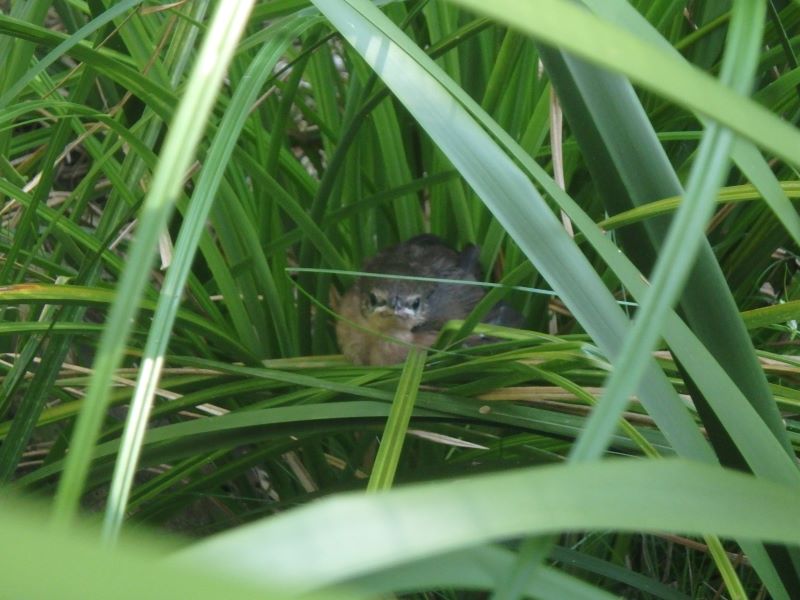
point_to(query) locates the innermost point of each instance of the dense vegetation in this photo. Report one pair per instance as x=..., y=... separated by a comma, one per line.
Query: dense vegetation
x=637, y=438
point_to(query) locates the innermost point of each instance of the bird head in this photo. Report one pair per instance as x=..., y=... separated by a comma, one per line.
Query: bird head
x=391, y=304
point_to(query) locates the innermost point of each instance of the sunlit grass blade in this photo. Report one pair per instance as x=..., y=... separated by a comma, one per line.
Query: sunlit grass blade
x=166, y=311
x=167, y=180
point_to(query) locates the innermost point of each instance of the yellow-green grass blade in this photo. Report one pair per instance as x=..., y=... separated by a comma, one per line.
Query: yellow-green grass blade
x=79, y=568
x=727, y=195
x=726, y=568
x=34, y=293
x=772, y=315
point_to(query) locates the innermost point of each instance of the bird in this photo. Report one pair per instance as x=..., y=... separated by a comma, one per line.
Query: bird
x=379, y=311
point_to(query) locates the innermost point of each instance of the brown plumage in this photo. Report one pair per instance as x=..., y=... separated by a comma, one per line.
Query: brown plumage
x=409, y=311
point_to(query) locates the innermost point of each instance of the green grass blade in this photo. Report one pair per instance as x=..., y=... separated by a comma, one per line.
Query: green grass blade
x=478, y=569
x=176, y=157
x=81, y=569
x=169, y=299
x=683, y=241
x=508, y=193
x=56, y=53
x=563, y=24
x=458, y=514
x=394, y=434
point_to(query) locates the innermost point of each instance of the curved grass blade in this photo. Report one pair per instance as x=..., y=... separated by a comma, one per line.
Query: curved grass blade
x=563, y=24
x=112, y=64
x=78, y=295
x=180, y=439
x=727, y=195
x=421, y=521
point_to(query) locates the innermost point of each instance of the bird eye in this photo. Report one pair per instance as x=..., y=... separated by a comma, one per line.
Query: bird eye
x=415, y=304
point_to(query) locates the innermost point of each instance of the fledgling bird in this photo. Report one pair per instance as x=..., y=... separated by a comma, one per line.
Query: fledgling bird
x=410, y=311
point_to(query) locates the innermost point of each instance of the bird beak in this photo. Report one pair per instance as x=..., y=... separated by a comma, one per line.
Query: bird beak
x=398, y=309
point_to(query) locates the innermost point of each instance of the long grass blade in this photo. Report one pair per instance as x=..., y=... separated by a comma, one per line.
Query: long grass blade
x=562, y=24
x=167, y=309
x=684, y=239
x=388, y=457
x=184, y=135
x=467, y=512
x=508, y=193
